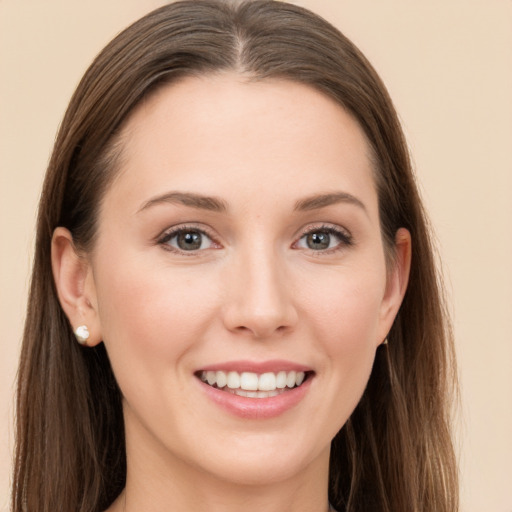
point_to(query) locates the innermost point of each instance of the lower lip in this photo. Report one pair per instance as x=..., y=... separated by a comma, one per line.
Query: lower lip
x=257, y=408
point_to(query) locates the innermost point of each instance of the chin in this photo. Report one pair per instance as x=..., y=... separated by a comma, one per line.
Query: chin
x=264, y=458
x=259, y=470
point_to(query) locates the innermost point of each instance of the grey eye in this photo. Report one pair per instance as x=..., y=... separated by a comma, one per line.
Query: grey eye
x=318, y=240
x=324, y=239
x=188, y=240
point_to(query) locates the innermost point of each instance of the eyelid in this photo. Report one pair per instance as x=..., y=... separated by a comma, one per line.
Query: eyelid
x=171, y=232
x=345, y=236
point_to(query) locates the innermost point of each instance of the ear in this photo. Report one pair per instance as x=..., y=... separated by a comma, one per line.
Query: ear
x=74, y=282
x=396, y=286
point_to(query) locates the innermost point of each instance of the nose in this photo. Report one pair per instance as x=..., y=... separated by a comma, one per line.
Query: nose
x=259, y=301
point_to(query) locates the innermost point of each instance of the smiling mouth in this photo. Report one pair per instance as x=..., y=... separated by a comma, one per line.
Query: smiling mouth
x=254, y=385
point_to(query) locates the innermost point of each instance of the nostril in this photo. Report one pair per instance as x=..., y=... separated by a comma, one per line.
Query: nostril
x=260, y=327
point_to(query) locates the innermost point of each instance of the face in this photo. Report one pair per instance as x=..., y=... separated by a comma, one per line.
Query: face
x=239, y=278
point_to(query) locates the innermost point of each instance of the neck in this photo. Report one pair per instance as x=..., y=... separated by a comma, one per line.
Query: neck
x=223, y=499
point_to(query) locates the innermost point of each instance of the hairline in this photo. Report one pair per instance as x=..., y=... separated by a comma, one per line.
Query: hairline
x=113, y=155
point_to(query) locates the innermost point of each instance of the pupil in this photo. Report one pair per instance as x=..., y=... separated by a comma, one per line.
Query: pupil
x=189, y=241
x=318, y=241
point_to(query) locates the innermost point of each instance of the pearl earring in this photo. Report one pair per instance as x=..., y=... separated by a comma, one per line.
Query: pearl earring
x=82, y=334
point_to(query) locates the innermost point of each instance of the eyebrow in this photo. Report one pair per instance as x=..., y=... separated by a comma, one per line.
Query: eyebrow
x=215, y=204
x=199, y=201
x=323, y=200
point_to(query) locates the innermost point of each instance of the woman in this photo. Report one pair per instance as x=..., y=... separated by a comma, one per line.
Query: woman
x=234, y=300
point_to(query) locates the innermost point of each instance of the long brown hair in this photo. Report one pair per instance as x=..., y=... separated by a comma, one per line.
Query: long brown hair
x=395, y=453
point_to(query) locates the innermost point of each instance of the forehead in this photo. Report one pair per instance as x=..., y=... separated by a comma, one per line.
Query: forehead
x=202, y=134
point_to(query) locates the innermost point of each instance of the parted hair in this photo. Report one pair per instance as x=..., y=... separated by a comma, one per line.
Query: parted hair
x=395, y=452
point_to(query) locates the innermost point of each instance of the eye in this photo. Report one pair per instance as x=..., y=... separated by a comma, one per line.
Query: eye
x=325, y=238
x=187, y=240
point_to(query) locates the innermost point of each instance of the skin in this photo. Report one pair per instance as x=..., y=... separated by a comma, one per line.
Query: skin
x=255, y=290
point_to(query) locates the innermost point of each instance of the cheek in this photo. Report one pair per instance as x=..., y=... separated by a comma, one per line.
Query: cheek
x=342, y=314
x=345, y=319
x=350, y=342
x=150, y=316
x=344, y=308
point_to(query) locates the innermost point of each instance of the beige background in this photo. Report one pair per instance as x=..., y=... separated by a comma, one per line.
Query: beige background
x=448, y=66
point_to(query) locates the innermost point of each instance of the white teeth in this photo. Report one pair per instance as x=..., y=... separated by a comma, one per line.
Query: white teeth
x=267, y=382
x=290, y=379
x=255, y=394
x=281, y=380
x=249, y=381
x=233, y=380
x=222, y=379
x=253, y=385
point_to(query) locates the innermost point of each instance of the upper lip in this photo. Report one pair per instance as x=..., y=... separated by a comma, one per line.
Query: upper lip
x=274, y=365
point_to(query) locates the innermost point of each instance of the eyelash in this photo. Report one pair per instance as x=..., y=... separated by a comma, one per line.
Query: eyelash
x=344, y=237
x=167, y=236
